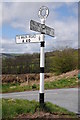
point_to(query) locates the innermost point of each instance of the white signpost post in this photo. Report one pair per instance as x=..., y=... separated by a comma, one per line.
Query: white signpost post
x=38, y=38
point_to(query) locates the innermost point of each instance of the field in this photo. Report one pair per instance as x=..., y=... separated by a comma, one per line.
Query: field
x=67, y=80
x=31, y=109
x=21, y=73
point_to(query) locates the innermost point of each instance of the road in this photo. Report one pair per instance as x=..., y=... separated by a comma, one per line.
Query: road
x=67, y=98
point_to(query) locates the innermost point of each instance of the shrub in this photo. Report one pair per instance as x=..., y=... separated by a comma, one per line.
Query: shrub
x=34, y=86
x=64, y=61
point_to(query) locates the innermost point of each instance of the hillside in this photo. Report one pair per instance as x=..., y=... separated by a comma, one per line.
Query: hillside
x=24, y=79
x=4, y=55
x=24, y=82
x=56, y=61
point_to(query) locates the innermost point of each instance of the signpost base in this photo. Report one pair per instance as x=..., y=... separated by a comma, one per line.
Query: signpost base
x=41, y=98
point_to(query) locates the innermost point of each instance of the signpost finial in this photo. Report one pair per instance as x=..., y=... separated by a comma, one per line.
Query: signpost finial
x=43, y=12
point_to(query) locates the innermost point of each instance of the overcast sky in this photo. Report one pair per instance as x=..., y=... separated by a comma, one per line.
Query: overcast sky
x=16, y=16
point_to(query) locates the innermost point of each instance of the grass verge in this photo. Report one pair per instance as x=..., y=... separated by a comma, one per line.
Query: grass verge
x=12, y=108
x=62, y=83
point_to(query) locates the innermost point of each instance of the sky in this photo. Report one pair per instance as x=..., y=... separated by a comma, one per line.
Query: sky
x=16, y=16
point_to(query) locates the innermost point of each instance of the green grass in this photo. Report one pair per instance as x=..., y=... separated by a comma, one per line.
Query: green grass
x=12, y=108
x=0, y=109
x=62, y=83
x=14, y=87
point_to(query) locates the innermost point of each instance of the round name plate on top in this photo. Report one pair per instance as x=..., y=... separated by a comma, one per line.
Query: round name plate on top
x=43, y=12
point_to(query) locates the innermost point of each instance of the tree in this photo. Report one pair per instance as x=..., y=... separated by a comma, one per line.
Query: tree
x=64, y=61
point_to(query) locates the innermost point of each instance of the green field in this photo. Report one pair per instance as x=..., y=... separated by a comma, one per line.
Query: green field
x=13, y=108
x=62, y=83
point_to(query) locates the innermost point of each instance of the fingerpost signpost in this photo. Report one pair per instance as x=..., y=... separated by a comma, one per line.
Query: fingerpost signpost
x=38, y=38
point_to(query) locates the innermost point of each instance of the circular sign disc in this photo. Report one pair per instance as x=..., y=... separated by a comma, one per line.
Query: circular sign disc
x=43, y=12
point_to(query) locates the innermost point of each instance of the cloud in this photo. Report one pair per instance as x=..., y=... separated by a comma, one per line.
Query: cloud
x=40, y=0
x=0, y=14
x=67, y=30
x=66, y=33
x=10, y=46
x=18, y=25
x=18, y=15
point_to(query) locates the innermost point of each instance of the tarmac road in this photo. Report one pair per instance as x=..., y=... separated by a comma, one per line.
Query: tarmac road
x=67, y=98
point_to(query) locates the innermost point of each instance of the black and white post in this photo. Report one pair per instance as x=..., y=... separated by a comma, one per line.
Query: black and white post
x=43, y=17
x=41, y=94
x=38, y=38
